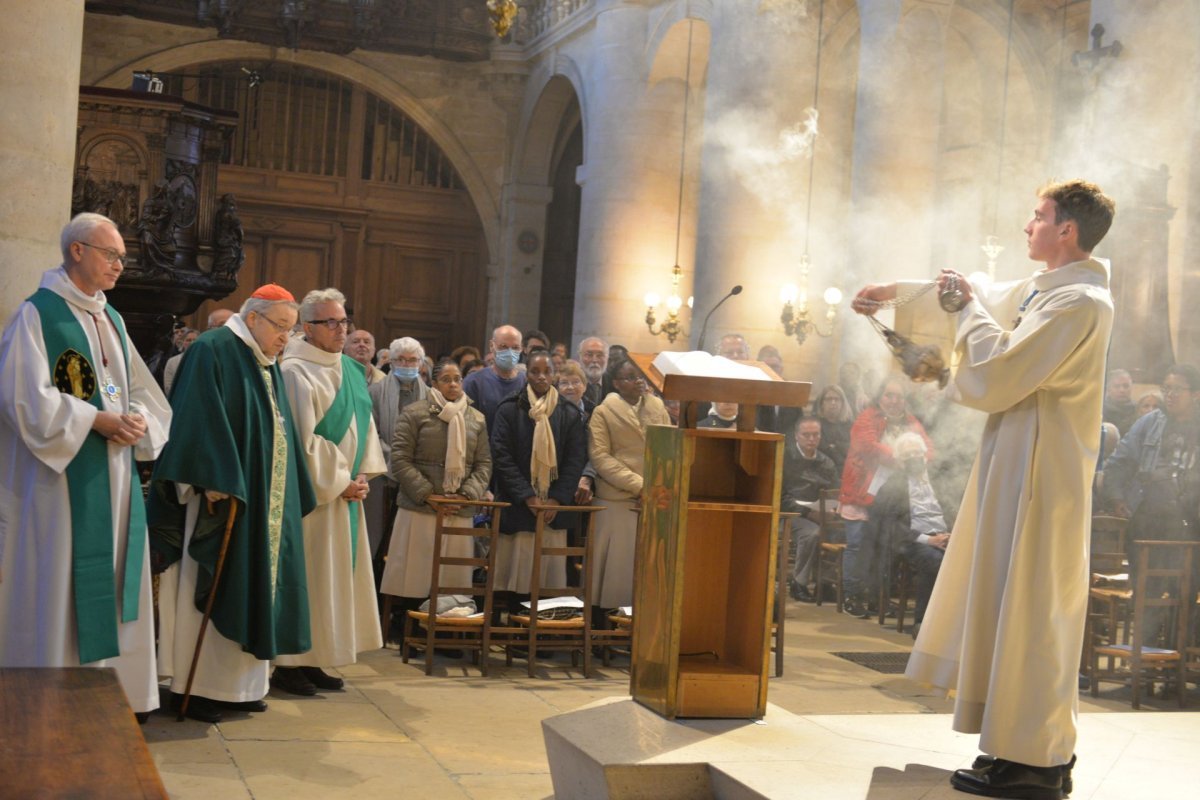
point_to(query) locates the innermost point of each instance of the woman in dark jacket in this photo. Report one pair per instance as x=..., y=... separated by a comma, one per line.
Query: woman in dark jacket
x=539, y=449
x=832, y=409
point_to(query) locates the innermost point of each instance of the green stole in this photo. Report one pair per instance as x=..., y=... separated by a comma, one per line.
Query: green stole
x=88, y=489
x=352, y=402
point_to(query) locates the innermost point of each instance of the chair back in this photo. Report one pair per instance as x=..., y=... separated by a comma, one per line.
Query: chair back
x=1164, y=581
x=1108, y=550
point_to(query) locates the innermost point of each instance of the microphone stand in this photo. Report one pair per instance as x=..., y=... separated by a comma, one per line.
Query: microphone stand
x=704, y=328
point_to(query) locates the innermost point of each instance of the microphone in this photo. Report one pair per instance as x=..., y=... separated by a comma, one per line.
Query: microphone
x=704, y=328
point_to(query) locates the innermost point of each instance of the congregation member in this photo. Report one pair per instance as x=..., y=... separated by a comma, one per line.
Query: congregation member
x=734, y=346
x=78, y=408
x=185, y=341
x=461, y=354
x=388, y=399
x=487, y=388
x=234, y=441
x=1031, y=354
x=832, y=410
x=908, y=520
x=534, y=340
x=1147, y=403
x=571, y=384
x=593, y=356
x=868, y=463
x=618, y=443
x=1153, y=477
x=1119, y=408
x=806, y=473
x=383, y=360
x=360, y=346
x=850, y=379
x=776, y=419
x=327, y=391
x=539, y=451
x=721, y=415
x=216, y=318
x=439, y=450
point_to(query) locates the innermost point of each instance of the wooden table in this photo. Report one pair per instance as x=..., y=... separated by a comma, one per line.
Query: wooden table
x=69, y=732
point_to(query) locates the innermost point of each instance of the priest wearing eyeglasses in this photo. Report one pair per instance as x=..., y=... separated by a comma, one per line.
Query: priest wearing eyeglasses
x=234, y=440
x=77, y=407
x=328, y=394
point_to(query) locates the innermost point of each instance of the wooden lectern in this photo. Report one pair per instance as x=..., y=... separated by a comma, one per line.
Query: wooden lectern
x=705, y=567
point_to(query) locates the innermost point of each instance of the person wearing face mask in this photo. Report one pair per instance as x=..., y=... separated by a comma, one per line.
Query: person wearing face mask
x=539, y=450
x=402, y=388
x=487, y=388
x=868, y=464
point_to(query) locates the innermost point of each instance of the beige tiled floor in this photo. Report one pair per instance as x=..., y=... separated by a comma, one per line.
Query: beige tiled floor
x=396, y=732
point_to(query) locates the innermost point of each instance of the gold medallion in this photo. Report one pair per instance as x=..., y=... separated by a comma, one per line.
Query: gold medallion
x=73, y=375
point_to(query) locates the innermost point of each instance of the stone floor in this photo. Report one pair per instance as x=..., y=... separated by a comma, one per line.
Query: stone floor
x=395, y=732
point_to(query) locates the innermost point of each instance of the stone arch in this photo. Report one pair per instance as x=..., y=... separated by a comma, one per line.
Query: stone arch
x=542, y=120
x=479, y=188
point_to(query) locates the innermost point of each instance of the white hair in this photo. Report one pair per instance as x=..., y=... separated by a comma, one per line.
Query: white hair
x=259, y=305
x=909, y=444
x=405, y=344
x=78, y=229
x=315, y=298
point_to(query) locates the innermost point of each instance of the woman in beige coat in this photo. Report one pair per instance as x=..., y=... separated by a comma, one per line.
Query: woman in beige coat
x=439, y=449
x=618, y=442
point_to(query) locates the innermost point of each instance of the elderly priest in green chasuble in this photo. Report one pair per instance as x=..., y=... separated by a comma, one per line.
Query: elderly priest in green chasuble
x=233, y=437
x=77, y=406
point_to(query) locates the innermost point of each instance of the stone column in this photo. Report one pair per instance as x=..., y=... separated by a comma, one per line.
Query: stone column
x=753, y=218
x=524, y=213
x=629, y=181
x=40, y=49
x=896, y=145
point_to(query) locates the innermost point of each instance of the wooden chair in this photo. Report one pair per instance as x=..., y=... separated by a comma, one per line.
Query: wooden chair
x=831, y=547
x=1109, y=602
x=782, y=575
x=894, y=570
x=574, y=635
x=1167, y=587
x=463, y=633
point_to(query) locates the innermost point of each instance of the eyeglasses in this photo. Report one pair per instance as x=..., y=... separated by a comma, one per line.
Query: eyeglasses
x=277, y=326
x=110, y=255
x=331, y=324
x=1170, y=391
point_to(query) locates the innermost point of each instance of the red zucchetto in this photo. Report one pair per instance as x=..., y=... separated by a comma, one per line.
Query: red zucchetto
x=273, y=292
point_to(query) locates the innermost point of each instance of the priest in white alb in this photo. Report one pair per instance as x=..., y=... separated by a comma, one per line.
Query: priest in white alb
x=77, y=407
x=332, y=408
x=1004, y=627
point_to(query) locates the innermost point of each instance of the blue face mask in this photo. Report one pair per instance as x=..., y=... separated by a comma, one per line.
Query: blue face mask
x=406, y=373
x=507, y=359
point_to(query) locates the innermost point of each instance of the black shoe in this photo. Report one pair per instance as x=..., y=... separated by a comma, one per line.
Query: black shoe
x=142, y=717
x=802, y=594
x=253, y=706
x=1003, y=778
x=323, y=680
x=199, y=708
x=293, y=681
x=1067, y=784
x=856, y=609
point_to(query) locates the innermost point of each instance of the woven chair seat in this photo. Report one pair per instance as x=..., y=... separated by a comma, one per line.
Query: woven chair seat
x=575, y=623
x=444, y=621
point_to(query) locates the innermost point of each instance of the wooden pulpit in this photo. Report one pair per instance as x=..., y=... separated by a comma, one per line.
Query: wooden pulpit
x=705, y=568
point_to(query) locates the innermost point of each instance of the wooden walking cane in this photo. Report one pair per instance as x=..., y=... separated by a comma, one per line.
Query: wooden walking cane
x=212, y=593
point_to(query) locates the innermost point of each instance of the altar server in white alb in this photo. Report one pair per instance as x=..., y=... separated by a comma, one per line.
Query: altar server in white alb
x=332, y=408
x=1005, y=623
x=77, y=406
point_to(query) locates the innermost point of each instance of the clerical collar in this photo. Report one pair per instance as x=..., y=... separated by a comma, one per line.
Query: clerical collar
x=305, y=350
x=58, y=281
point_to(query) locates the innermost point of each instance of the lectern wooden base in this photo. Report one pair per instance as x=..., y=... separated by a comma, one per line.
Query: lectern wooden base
x=705, y=570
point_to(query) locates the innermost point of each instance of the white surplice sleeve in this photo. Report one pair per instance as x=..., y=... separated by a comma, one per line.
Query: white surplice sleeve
x=147, y=399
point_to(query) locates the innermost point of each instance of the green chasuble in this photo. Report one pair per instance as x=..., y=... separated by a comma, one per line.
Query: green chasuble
x=224, y=437
x=88, y=489
x=351, y=404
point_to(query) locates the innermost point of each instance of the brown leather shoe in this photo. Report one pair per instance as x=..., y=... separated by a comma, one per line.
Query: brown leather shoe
x=1067, y=784
x=1009, y=779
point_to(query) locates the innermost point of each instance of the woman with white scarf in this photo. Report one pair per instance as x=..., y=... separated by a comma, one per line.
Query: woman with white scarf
x=539, y=448
x=618, y=444
x=439, y=450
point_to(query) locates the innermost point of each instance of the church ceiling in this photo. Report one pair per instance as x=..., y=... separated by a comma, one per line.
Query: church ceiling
x=455, y=30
